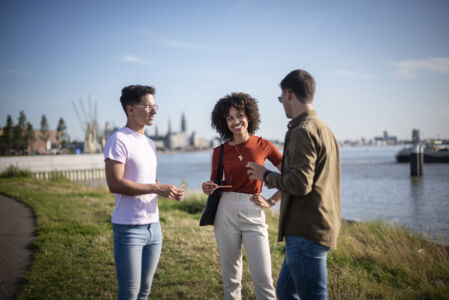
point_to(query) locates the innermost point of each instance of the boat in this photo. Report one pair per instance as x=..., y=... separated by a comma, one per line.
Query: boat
x=433, y=153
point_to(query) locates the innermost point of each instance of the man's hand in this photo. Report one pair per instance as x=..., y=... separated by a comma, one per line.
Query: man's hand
x=180, y=195
x=260, y=201
x=255, y=171
x=209, y=187
x=170, y=191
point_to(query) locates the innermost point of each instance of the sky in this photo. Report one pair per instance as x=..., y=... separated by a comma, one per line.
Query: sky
x=378, y=65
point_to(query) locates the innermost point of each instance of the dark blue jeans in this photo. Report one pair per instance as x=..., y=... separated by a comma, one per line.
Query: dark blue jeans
x=304, y=271
x=136, y=250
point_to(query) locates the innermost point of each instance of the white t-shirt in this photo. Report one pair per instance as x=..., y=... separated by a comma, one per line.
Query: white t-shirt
x=138, y=153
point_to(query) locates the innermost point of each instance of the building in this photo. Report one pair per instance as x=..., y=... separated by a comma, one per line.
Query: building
x=179, y=140
x=172, y=140
x=44, y=147
x=199, y=142
x=385, y=139
x=415, y=136
x=176, y=140
x=108, y=130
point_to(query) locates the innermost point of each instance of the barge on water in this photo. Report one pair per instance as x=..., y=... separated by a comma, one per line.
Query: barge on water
x=433, y=153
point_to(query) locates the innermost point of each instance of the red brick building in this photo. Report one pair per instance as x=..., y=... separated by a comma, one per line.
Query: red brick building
x=40, y=146
x=43, y=147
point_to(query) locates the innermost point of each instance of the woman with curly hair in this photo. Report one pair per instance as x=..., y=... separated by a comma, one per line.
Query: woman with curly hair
x=239, y=219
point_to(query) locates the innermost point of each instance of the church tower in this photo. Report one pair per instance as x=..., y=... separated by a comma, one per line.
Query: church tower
x=183, y=123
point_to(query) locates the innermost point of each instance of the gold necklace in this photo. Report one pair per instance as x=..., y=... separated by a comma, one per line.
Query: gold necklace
x=240, y=153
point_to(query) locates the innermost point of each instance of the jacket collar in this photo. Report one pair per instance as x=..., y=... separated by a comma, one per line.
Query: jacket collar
x=296, y=121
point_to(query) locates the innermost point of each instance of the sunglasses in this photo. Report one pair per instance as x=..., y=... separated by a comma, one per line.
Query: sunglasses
x=280, y=97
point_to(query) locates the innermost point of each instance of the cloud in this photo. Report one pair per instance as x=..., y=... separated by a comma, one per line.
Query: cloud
x=411, y=68
x=15, y=72
x=179, y=44
x=134, y=59
x=355, y=74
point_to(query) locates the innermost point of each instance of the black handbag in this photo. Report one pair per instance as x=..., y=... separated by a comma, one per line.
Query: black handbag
x=208, y=216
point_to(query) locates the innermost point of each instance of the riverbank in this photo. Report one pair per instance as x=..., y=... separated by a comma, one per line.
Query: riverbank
x=74, y=256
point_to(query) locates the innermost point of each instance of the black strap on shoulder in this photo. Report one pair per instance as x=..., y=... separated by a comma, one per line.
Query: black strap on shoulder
x=219, y=175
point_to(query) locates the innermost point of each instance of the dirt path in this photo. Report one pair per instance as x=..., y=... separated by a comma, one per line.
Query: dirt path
x=17, y=225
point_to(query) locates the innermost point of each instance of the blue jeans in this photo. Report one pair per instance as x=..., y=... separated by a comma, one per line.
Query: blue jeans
x=136, y=251
x=304, y=271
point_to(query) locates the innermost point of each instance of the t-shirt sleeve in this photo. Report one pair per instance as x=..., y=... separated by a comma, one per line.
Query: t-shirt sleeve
x=273, y=155
x=115, y=150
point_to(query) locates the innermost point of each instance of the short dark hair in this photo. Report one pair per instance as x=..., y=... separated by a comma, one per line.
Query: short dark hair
x=301, y=83
x=132, y=94
x=240, y=101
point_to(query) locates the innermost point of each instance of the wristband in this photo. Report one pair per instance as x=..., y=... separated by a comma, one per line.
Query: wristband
x=267, y=172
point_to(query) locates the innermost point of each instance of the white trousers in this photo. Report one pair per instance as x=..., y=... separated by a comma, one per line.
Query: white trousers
x=240, y=220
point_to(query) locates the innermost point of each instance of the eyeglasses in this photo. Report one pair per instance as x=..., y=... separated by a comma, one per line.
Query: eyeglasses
x=148, y=106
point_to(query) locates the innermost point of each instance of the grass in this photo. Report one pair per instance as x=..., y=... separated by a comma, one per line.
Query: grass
x=14, y=171
x=74, y=251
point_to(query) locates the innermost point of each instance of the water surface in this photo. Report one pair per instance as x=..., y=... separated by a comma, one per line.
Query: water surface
x=373, y=186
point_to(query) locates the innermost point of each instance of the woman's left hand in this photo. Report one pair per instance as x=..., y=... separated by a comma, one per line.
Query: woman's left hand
x=260, y=201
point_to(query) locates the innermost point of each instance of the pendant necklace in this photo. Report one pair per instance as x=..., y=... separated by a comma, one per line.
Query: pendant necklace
x=240, y=153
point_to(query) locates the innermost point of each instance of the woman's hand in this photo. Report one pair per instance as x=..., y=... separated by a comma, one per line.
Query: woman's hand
x=209, y=187
x=260, y=201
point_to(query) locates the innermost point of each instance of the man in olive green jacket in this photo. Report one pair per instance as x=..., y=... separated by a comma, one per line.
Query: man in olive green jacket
x=310, y=183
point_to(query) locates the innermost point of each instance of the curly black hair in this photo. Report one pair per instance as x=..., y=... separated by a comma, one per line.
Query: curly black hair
x=240, y=101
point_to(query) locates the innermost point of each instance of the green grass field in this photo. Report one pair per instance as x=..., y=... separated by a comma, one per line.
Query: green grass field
x=74, y=251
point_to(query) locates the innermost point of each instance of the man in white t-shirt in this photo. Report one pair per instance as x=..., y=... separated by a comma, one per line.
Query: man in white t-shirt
x=130, y=159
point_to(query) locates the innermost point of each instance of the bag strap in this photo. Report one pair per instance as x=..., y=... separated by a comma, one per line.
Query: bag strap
x=219, y=175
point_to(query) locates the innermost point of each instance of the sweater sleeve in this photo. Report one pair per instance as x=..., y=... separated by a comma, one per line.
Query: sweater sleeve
x=297, y=176
x=215, y=156
x=273, y=155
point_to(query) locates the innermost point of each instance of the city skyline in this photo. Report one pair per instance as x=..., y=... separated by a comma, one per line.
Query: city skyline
x=154, y=131
x=378, y=66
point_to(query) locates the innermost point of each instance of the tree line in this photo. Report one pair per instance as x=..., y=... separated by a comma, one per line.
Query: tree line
x=16, y=139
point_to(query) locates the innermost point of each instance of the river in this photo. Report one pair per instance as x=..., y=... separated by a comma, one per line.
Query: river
x=373, y=186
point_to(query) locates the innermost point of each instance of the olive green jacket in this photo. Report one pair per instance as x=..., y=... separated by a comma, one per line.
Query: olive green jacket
x=309, y=181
